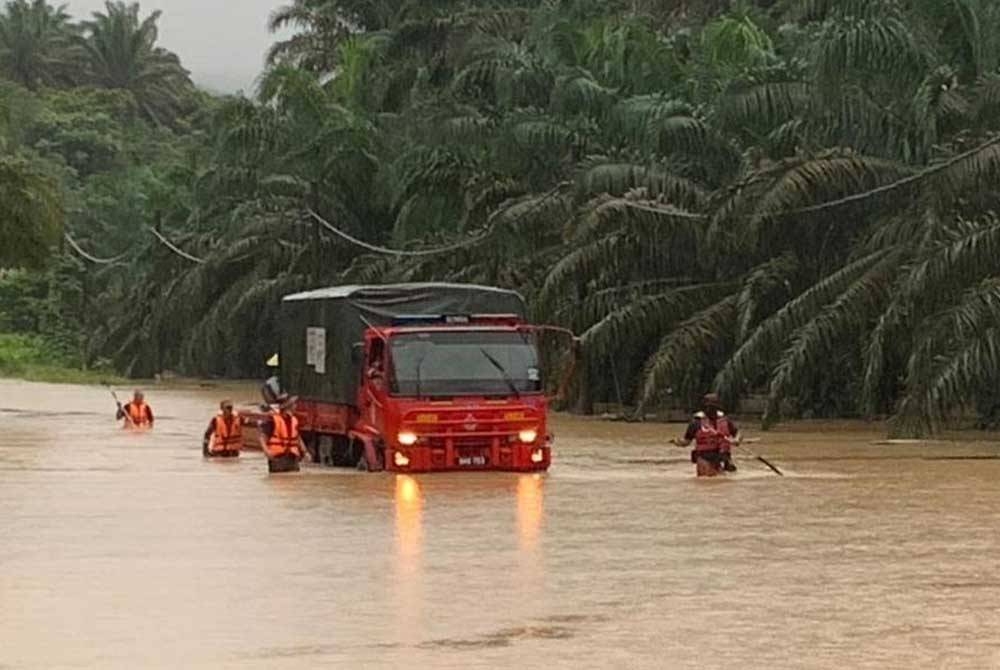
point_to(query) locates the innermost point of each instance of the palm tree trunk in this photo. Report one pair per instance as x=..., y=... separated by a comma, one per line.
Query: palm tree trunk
x=583, y=402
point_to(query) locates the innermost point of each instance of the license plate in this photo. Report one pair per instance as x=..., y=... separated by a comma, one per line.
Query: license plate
x=472, y=460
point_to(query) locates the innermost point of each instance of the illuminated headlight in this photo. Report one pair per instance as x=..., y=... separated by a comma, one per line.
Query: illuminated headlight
x=407, y=439
x=401, y=459
x=537, y=456
x=528, y=436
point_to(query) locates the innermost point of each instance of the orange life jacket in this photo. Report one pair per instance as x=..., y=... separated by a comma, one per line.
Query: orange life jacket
x=713, y=437
x=285, y=438
x=138, y=415
x=227, y=437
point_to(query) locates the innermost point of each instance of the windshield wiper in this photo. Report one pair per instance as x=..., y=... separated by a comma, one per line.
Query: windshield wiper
x=420, y=363
x=503, y=371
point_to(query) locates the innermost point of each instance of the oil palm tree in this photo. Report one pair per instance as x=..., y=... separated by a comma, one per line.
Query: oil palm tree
x=36, y=44
x=31, y=213
x=793, y=280
x=121, y=53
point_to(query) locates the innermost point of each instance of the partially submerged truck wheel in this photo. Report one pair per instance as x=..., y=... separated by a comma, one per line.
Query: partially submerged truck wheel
x=416, y=378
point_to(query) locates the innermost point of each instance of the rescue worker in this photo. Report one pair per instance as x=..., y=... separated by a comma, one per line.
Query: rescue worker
x=271, y=390
x=713, y=434
x=280, y=438
x=224, y=435
x=137, y=413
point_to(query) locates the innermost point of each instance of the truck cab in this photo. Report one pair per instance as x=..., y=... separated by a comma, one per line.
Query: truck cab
x=454, y=392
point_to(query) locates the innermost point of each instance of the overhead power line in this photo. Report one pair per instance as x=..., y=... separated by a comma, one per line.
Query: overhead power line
x=461, y=244
x=845, y=200
x=489, y=229
x=174, y=248
x=93, y=259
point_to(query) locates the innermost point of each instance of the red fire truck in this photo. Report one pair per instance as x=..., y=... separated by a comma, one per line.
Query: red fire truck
x=415, y=378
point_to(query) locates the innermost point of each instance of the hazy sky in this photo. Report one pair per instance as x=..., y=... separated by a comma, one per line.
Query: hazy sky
x=222, y=42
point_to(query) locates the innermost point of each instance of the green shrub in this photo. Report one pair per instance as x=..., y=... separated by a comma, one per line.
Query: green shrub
x=33, y=358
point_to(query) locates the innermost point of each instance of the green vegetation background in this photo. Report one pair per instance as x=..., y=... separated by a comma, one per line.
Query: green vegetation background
x=794, y=198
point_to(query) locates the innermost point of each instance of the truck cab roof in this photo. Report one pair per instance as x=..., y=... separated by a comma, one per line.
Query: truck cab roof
x=319, y=328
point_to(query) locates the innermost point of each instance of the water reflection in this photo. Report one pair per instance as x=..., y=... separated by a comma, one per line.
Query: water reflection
x=407, y=587
x=409, y=521
x=530, y=512
x=530, y=508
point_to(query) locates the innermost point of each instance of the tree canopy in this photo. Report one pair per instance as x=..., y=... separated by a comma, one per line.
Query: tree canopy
x=789, y=197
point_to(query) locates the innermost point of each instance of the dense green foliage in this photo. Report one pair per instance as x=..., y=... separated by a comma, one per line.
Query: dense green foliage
x=35, y=359
x=94, y=118
x=791, y=196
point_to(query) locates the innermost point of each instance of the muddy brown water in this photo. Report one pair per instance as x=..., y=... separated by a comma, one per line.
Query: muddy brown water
x=129, y=551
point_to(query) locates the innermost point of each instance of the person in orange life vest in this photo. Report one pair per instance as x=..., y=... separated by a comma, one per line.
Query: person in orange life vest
x=137, y=413
x=280, y=438
x=714, y=434
x=224, y=435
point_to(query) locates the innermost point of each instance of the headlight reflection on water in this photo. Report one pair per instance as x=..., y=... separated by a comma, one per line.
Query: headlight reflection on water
x=530, y=509
x=409, y=518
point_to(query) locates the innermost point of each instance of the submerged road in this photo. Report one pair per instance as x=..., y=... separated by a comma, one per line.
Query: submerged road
x=129, y=551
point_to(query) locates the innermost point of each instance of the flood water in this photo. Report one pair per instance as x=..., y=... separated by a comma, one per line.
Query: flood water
x=129, y=551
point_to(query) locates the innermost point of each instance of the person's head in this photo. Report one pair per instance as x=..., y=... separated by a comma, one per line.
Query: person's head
x=137, y=396
x=227, y=407
x=711, y=404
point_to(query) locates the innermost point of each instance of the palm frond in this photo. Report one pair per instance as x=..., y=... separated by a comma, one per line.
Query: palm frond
x=613, y=178
x=690, y=341
x=973, y=365
x=648, y=318
x=825, y=179
x=768, y=277
x=816, y=340
x=854, y=46
x=766, y=104
x=772, y=335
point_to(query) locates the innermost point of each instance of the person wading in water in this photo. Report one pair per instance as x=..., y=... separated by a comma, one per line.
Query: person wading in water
x=224, y=435
x=713, y=434
x=137, y=413
x=280, y=438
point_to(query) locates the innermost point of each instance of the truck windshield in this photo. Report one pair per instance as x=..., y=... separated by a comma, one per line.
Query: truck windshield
x=464, y=363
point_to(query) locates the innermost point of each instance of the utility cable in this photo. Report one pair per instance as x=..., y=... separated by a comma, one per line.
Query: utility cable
x=486, y=233
x=831, y=204
x=180, y=252
x=93, y=259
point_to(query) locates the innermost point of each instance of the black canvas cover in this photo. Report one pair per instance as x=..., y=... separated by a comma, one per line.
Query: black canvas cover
x=320, y=328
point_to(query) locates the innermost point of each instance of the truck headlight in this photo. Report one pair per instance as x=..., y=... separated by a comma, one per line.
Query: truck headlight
x=407, y=438
x=528, y=436
x=537, y=456
x=401, y=459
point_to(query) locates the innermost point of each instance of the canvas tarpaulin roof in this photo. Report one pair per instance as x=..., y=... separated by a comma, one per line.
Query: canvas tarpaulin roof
x=320, y=328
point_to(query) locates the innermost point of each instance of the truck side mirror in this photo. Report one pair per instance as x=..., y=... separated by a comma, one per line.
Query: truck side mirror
x=358, y=353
